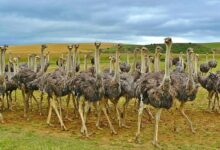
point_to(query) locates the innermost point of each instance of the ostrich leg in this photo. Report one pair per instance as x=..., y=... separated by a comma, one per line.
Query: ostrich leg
x=157, y=119
x=1, y=118
x=216, y=100
x=125, y=105
x=49, y=115
x=11, y=100
x=118, y=114
x=41, y=102
x=140, y=113
x=86, y=110
x=67, y=107
x=99, y=111
x=35, y=99
x=187, y=118
x=75, y=104
x=210, y=95
x=103, y=108
x=53, y=104
x=83, y=128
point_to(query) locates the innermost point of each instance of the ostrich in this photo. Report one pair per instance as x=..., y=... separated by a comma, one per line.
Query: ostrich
x=125, y=67
x=204, y=68
x=112, y=85
x=213, y=63
x=10, y=84
x=26, y=75
x=89, y=89
x=156, y=90
x=209, y=83
x=2, y=77
x=185, y=87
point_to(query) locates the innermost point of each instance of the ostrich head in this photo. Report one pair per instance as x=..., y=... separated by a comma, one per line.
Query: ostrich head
x=43, y=47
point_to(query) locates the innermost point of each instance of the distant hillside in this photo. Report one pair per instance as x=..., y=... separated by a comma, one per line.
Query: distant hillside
x=177, y=47
x=53, y=48
x=109, y=47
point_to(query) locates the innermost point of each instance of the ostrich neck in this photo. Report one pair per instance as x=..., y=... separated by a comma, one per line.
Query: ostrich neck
x=85, y=63
x=127, y=58
x=42, y=60
x=97, y=62
x=110, y=66
x=167, y=59
x=157, y=62
x=3, y=62
x=189, y=66
x=143, y=64
x=207, y=58
x=134, y=63
x=117, y=74
x=196, y=66
x=148, y=63
x=73, y=67
x=9, y=68
x=213, y=55
x=35, y=64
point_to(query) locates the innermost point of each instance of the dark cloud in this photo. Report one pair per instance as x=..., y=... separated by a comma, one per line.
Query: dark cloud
x=142, y=21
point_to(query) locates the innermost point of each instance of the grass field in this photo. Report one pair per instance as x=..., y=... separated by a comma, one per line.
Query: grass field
x=20, y=134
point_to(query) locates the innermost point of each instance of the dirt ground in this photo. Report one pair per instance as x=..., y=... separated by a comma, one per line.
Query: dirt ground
x=174, y=132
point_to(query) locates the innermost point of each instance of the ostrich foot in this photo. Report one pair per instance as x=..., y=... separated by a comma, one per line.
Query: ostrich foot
x=125, y=126
x=208, y=110
x=68, y=118
x=137, y=138
x=114, y=132
x=193, y=130
x=63, y=127
x=98, y=126
x=85, y=132
x=50, y=124
x=156, y=144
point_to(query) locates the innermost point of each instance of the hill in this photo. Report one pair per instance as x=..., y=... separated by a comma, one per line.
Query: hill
x=109, y=47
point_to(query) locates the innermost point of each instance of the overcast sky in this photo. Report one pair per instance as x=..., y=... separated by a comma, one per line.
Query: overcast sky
x=130, y=21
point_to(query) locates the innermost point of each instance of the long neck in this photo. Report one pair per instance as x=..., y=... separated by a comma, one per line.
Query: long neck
x=110, y=63
x=143, y=64
x=3, y=62
x=189, y=65
x=134, y=63
x=69, y=62
x=35, y=64
x=42, y=60
x=206, y=58
x=9, y=67
x=157, y=62
x=97, y=61
x=196, y=66
x=213, y=55
x=148, y=63
x=85, y=62
x=75, y=55
x=117, y=74
x=167, y=59
x=127, y=58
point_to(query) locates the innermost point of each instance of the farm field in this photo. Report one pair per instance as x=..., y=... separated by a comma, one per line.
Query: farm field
x=21, y=134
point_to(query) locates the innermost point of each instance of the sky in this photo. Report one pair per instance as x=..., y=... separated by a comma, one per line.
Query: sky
x=120, y=21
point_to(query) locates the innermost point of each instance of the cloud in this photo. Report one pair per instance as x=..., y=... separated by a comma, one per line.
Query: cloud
x=24, y=21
